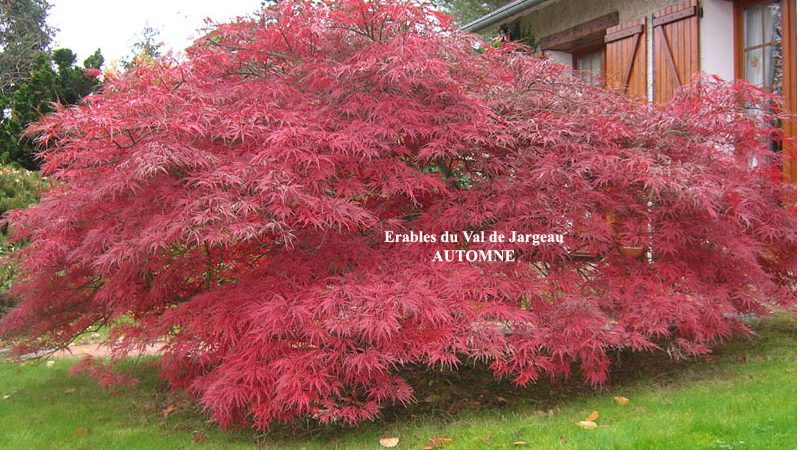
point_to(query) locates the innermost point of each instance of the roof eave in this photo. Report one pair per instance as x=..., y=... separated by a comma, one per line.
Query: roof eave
x=501, y=14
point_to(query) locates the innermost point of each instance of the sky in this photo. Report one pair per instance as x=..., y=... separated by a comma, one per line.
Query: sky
x=114, y=25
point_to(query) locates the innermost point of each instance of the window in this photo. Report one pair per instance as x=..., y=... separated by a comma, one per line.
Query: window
x=760, y=55
x=589, y=65
x=759, y=51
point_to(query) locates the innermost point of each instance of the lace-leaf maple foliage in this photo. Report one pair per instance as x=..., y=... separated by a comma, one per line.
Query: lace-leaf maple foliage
x=234, y=204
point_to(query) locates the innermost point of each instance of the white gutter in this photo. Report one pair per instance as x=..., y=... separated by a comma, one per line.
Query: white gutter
x=501, y=14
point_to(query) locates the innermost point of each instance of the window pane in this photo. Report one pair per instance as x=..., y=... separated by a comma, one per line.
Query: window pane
x=584, y=63
x=773, y=67
x=772, y=22
x=753, y=32
x=590, y=66
x=754, y=66
x=596, y=63
x=773, y=73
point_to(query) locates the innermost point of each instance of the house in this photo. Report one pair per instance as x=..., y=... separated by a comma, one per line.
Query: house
x=651, y=47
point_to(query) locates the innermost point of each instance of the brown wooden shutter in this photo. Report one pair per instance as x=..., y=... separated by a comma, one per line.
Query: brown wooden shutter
x=675, y=48
x=626, y=59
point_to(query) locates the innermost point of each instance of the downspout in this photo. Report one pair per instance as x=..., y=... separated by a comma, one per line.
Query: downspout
x=501, y=14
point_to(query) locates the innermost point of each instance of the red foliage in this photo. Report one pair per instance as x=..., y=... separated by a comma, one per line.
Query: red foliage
x=102, y=372
x=92, y=73
x=234, y=204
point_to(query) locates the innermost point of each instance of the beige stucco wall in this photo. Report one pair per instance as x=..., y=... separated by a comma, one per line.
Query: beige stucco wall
x=716, y=38
x=561, y=15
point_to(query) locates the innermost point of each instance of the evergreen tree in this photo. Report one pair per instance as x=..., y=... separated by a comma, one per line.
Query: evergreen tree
x=52, y=79
x=147, y=47
x=23, y=34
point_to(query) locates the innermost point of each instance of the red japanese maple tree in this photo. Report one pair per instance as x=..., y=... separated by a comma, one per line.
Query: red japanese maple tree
x=235, y=205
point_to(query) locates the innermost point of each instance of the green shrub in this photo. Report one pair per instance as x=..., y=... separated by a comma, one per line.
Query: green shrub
x=18, y=189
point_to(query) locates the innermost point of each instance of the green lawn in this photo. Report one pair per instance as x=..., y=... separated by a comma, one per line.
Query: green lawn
x=743, y=397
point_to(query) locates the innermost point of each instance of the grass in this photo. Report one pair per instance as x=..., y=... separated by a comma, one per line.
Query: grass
x=742, y=397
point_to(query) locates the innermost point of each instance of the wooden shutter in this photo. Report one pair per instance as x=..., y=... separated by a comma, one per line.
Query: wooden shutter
x=626, y=59
x=675, y=48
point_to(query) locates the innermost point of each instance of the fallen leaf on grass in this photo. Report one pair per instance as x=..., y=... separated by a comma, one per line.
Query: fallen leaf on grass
x=50, y=363
x=199, y=437
x=389, y=442
x=622, y=400
x=80, y=431
x=562, y=440
x=6, y=397
x=69, y=391
x=437, y=442
x=586, y=425
x=168, y=410
x=520, y=443
x=592, y=417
